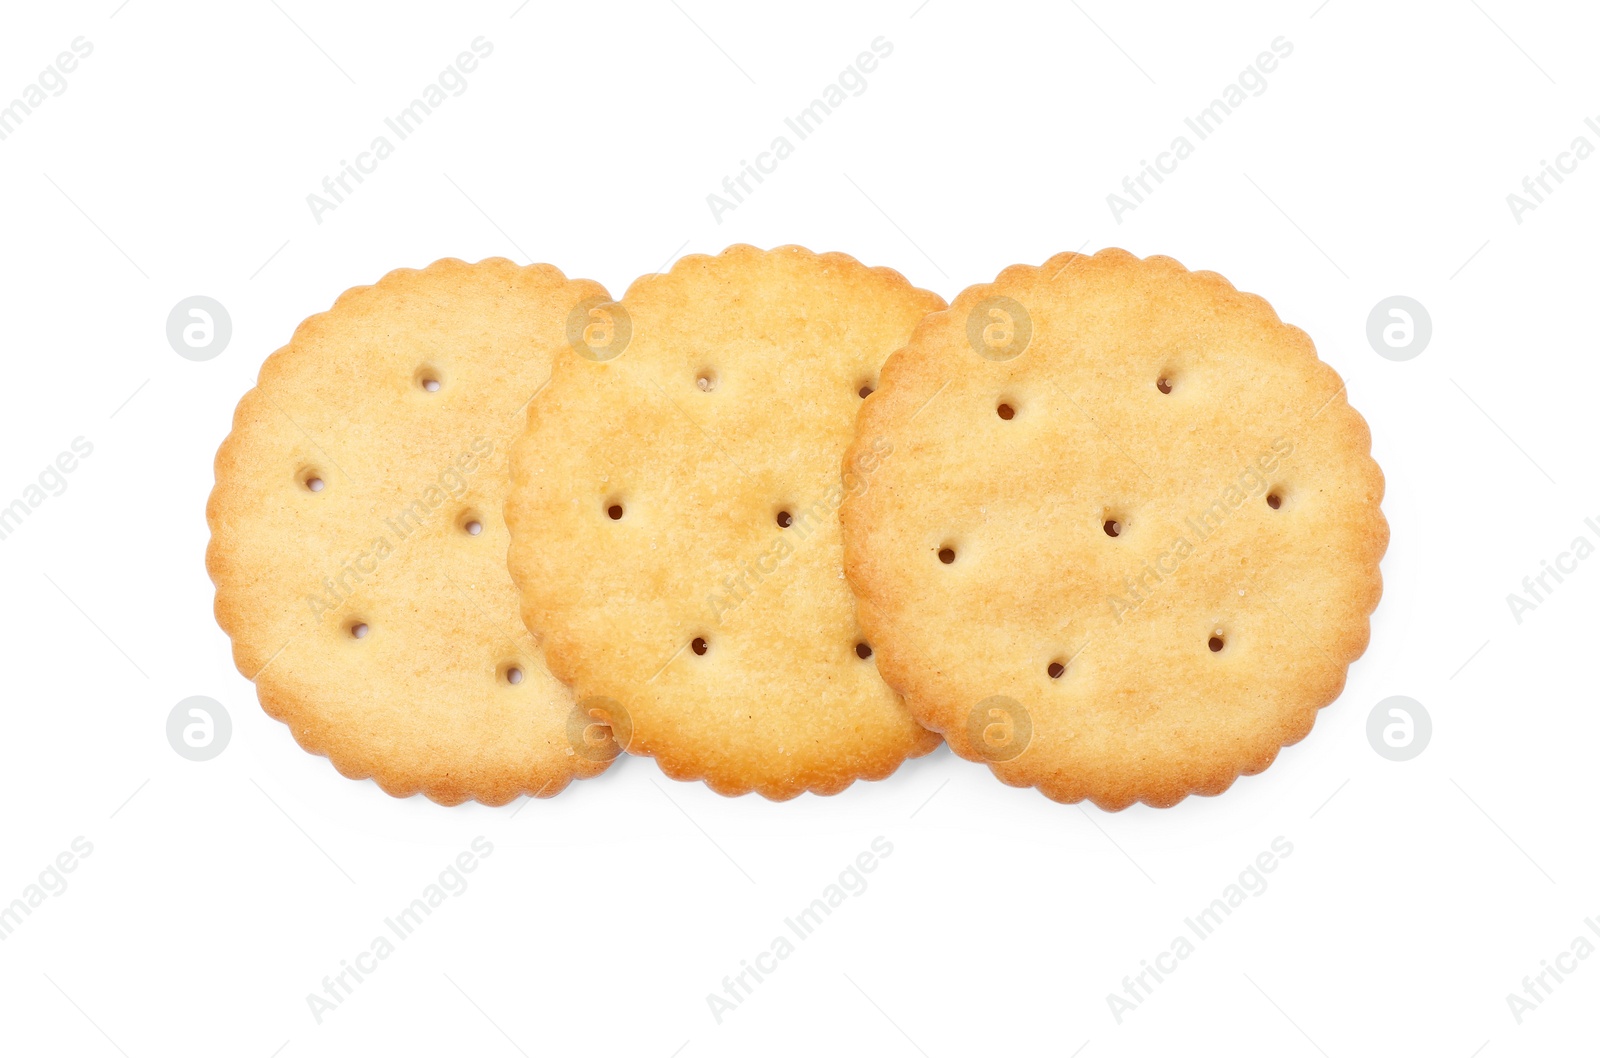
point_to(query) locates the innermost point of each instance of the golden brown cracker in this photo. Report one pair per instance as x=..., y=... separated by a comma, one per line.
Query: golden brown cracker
x=357, y=544
x=1128, y=542
x=674, y=519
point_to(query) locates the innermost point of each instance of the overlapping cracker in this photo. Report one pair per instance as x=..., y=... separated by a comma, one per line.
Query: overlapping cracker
x=1128, y=542
x=677, y=492
x=358, y=548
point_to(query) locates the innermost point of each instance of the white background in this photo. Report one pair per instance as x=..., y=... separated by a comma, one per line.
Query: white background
x=1377, y=162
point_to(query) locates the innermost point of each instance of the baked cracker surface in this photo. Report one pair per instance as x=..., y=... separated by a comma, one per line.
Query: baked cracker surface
x=358, y=549
x=1128, y=543
x=649, y=493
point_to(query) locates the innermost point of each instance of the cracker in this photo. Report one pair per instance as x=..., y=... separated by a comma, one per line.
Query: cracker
x=650, y=493
x=360, y=492
x=1053, y=408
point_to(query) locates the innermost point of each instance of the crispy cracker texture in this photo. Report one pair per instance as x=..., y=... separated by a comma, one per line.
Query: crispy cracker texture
x=1151, y=402
x=728, y=404
x=424, y=701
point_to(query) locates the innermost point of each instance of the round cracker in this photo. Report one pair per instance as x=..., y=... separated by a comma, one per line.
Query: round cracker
x=401, y=401
x=1096, y=395
x=645, y=515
